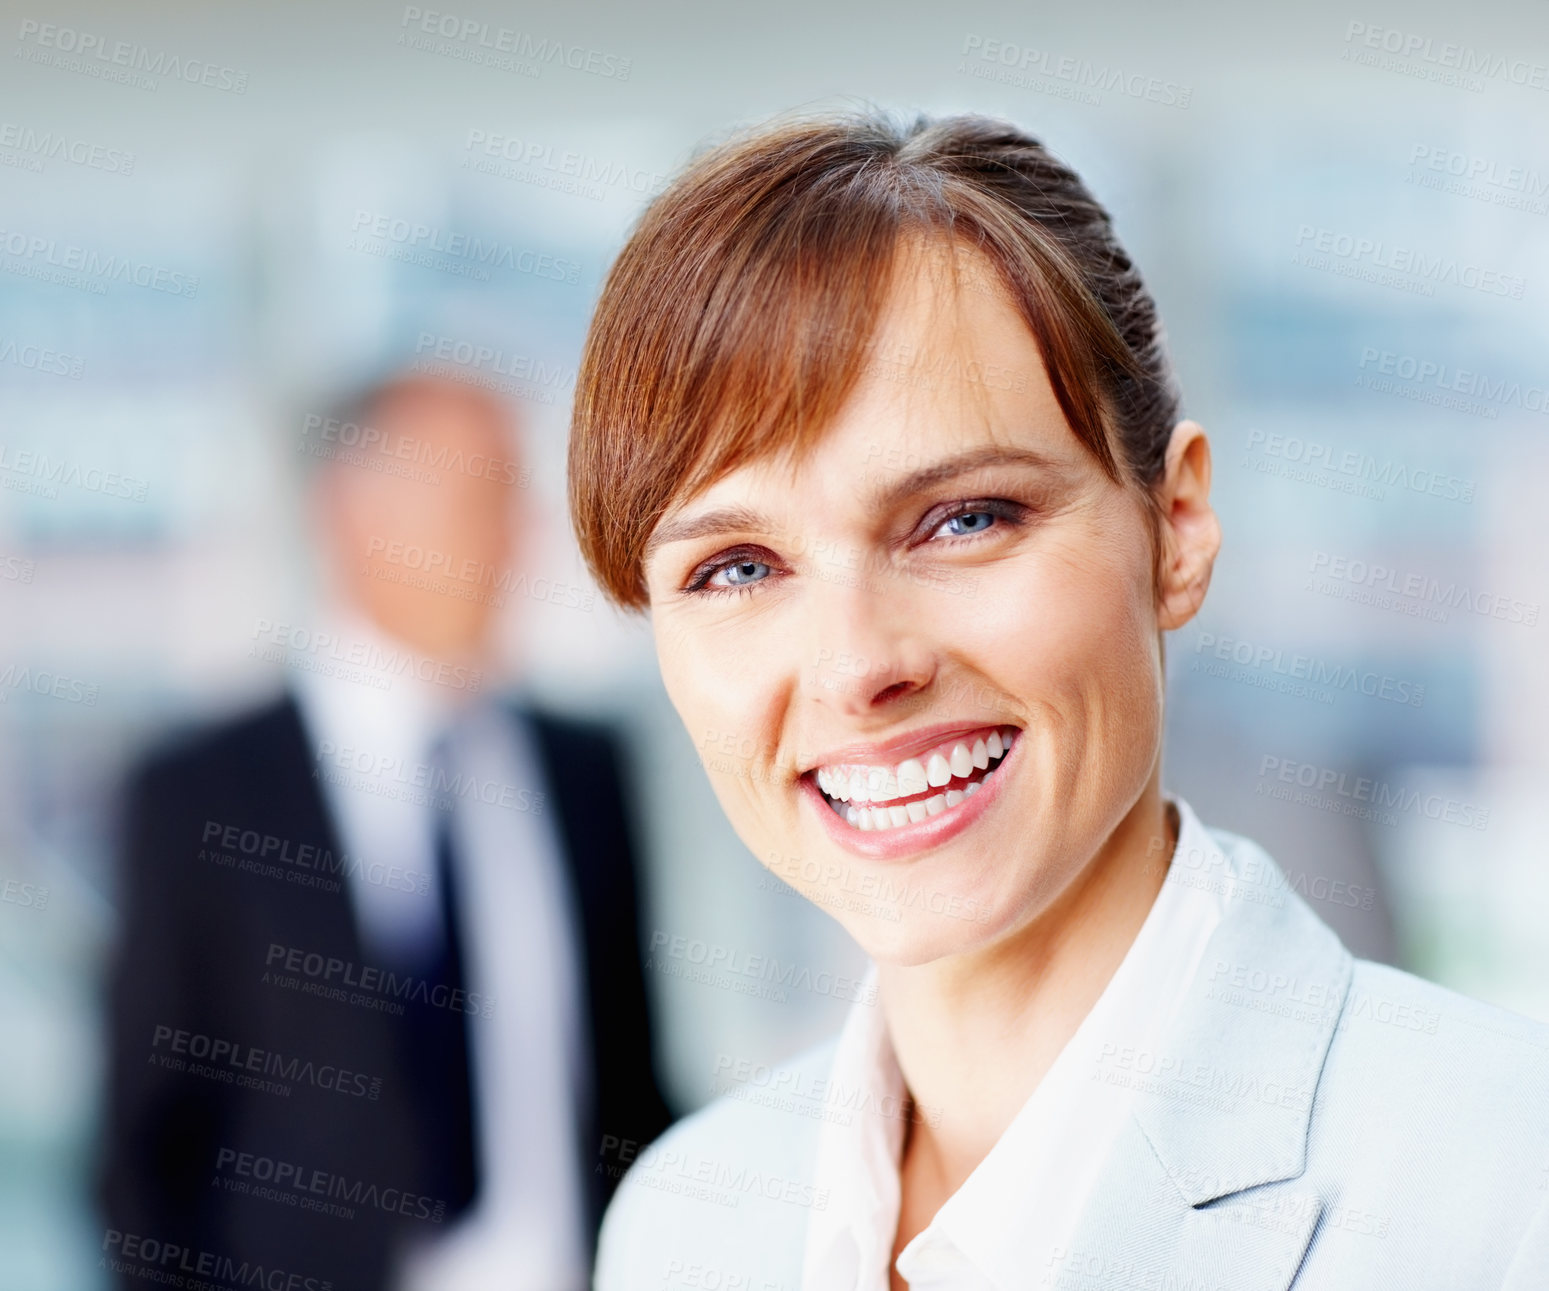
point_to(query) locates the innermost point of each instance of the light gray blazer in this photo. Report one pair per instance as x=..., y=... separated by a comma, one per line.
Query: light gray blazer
x=1418, y=1159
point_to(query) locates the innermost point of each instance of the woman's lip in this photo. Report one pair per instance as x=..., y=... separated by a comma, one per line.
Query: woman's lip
x=917, y=836
x=902, y=747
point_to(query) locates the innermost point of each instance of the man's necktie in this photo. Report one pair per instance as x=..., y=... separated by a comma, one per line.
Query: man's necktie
x=435, y=1047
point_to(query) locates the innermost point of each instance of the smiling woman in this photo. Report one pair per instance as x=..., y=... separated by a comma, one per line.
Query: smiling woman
x=877, y=423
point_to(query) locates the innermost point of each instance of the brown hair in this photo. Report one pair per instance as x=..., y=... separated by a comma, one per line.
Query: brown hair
x=736, y=320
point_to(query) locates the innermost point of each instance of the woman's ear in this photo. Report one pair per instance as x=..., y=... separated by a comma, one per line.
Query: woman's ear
x=1191, y=534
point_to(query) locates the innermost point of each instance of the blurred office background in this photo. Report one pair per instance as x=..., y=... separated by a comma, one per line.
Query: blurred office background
x=1275, y=174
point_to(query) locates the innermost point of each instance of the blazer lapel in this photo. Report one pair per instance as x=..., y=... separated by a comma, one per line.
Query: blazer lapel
x=1200, y=1184
x=1139, y=1229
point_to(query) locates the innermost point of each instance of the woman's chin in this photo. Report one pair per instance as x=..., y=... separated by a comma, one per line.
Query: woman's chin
x=909, y=937
x=949, y=900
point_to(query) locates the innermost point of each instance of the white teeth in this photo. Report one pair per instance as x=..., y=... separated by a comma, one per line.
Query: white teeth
x=873, y=791
x=911, y=778
x=881, y=784
x=869, y=819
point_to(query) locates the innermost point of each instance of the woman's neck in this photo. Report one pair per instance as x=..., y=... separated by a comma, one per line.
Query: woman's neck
x=975, y=1034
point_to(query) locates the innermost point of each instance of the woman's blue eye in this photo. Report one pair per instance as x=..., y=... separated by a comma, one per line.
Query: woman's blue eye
x=969, y=522
x=742, y=573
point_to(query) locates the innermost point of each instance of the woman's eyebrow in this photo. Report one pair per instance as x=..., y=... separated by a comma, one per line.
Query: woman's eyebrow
x=734, y=519
x=974, y=459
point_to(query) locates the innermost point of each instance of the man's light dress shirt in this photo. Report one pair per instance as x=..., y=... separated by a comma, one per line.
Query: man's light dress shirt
x=1028, y=1193
x=379, y=751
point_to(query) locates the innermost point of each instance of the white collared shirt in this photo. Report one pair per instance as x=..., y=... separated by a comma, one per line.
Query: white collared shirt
x=526, y=1230
x=372, y=762
x=1027, y=1195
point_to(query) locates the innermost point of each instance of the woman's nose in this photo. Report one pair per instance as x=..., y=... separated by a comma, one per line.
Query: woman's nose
x=867, y=654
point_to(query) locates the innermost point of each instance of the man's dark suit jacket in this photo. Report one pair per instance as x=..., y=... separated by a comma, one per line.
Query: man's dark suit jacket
x=189, y=987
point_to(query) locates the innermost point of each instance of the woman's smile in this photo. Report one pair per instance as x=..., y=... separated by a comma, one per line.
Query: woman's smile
x=885, y=809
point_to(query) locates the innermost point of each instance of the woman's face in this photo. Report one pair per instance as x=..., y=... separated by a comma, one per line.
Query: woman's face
x=921, y=664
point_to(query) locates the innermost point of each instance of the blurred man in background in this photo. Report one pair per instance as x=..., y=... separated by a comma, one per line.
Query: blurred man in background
x=378, y=995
